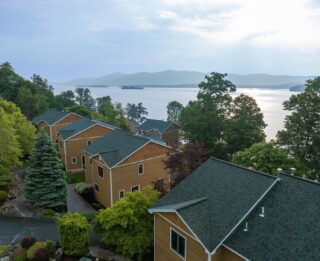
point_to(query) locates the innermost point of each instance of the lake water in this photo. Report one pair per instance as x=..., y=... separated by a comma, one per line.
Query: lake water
x=156, y=100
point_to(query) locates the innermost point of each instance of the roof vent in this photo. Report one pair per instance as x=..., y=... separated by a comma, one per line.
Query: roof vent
x=279, y=170
x=246, y=227
x=262, y=212
x=293, y=171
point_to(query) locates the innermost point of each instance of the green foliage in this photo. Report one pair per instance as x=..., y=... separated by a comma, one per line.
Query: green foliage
x=267, y=157
x=45, y=184
x=136, y=112
x=174, y=109
x=34, y=248
x=47, y=213
x=3, y=197
x=97, y=205
x=128, y=224
x=83, y=97
x=75, y=178
x=81, y=187
x=51, y=246
x=80, y=109
x=42, y=254
x=3, y=249
x=74, y=234
x=301, y=133
x=65, y=99
x=25, y=131
x=27, y=242
x=20, y=254
x=85, y=190
x=4, y=186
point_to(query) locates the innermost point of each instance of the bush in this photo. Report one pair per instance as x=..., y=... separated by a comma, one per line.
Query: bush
x=51, y=246
x=5, y=179
x=20, y=254
x=27, y=242
x=4, y=186
x=33, y=249
x=42, y=254
x=46, y=212
x=3, y=249
x=97, y=205
x=85, y=190
x=75, y=178
x=3, y=197
x=74, y=234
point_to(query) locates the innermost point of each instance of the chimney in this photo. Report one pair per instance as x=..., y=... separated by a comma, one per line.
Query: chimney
x=279, y=170
x=246, y=228
x=293, y=171
x=262, y=212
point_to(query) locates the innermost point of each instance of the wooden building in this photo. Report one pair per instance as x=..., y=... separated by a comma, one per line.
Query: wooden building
x=122, y=162
x=166, y=131
x=74, y=137
x=52, y=120
x=223, y=212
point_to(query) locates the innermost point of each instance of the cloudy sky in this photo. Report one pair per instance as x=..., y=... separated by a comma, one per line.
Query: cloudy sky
x=65, y=39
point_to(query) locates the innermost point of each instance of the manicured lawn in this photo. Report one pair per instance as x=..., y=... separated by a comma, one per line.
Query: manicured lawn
x=75, y=178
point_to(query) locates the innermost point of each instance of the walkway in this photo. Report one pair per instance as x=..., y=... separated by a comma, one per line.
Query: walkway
x=76, y=203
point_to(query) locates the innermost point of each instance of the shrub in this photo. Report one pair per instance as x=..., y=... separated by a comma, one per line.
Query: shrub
x=97, y=205
x=20, y=254
x=42, y=254
x=51, y=246
x=4, y=171
x=3, y=249
x=75, y=178
x=28, y=242
x=46, y=212
x=3, y=197
x=85, y=190
x=74, y=234
x=5, y=178
x=4, y=186
x=33, y=249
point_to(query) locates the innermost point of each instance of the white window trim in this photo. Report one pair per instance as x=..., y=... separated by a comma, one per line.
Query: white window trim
x=75, y=162
x=124, y=193
x=185, y=245
x=139, y=169
x=98, y=191
x=102, y=172
x=135, y=186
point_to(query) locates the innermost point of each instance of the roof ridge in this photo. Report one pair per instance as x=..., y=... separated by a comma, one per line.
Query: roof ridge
x=300, y=178
x=241, y=167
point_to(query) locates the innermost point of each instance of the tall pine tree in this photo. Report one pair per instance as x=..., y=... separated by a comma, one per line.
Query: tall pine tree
x=45, y=184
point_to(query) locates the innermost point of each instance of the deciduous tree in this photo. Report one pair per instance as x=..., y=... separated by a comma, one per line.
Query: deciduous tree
x=136, y=112
x=83, y=97
x=174, y=109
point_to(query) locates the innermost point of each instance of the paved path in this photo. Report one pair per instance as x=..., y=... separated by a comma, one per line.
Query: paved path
x=76, y=203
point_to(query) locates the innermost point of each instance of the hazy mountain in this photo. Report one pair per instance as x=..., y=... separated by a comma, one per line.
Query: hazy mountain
x=174, y=78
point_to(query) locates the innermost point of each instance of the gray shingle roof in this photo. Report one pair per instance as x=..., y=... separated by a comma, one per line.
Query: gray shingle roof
x=117, y=146
x=158, y=125
x=290, y=229
x=227, y=192
x=78, y=126
x=51, y=116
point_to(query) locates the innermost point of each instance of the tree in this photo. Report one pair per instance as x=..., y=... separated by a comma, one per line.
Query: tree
x=182, y=163
x=127, y=224
x=268, y=157
x=174, y=109
x=136, y=112
x=246, y=124
x=83, y=97
x=205, y=119
x=45, y=184
x=301, y=131
x=24, y=130
x=80, y=109
x=64, y=100
x=10, y=151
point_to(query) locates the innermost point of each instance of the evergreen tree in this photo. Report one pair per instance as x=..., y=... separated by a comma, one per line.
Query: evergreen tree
x=45, y=184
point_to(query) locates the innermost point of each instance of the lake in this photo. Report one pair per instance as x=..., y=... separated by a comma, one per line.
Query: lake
x=156, y=100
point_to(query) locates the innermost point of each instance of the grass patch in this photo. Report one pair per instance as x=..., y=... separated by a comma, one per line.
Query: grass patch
x=75, y=177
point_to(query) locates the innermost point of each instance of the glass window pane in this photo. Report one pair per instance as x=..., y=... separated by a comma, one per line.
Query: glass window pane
x=181, y=246
x=174, y=240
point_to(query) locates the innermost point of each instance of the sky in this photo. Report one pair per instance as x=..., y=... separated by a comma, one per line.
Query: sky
x=67, y=39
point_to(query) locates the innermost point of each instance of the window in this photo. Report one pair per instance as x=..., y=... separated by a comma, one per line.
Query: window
x=121, y=194
x=96, y=187
x=135, y=188
x=100, y=172
x=74, y=160
x=140, y=169
x=178, y=243
x=89, y=142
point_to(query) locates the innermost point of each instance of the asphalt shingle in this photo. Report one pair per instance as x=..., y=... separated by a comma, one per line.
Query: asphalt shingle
x=50, y=117
x=158, y=125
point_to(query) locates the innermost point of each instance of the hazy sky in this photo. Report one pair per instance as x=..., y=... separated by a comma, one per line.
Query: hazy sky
x=65, y=39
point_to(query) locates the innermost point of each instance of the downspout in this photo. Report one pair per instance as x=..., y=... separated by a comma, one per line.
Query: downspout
x=65, y=154
x=210, y=255
x=90, y=159
x=110, y=180
x=50, y=132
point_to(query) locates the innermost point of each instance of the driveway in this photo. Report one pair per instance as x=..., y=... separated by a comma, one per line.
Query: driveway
x=13, y=229
x=76, y=203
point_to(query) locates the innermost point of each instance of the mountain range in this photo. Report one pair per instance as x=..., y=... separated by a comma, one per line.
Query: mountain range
x=171, y=78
